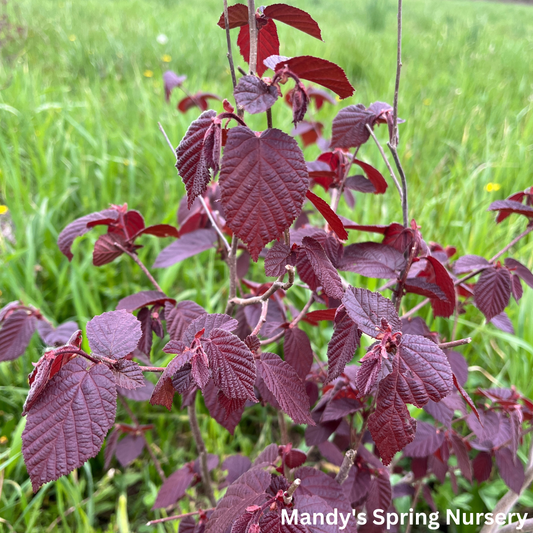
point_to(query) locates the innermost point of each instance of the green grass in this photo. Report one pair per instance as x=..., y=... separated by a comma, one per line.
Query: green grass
x=78, y=131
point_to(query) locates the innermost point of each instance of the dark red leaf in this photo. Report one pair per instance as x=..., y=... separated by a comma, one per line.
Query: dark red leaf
x=493, y=291
x=469, y=263
x=367, y=309
x=339, y=408
x=286, y=386
x=110, y=447
x=331, y=217
x=465, y=396
x=232, y=364
x=114, y=334
x=516, y=287
x=508, y=207
x=81, y=226
x=521, y=270
x=349, y=127
x=267, y=44
x=374, y=175
x=16, y=333
x=68, y=423
x=171, y=80
x=174, y=487
x=298, y=351
x=208, y=323
x=427, y=441
x=237, y=16
x=178, y=318
x=373, y=260
x=254, y=95
x=247, y=490
x=511, y=469
x=263, y=184
x=128, y=374
x=314, y=317
x=268, y=456
x=217, y=411
x=319, y=71
x=277, y=257
x=196, y=100
x=461, y=452
x=482, y=466
x=294, y=17
x=341, y=348
x=435, y=272
x=129, y=448
x=55, y=336
x=105, y=249
x=359, y=183
x=142, y=394
x=503, y=322
x=187, y=246
x=142, y=299
x=424, y=288
x=191, y=163
x=212, y=463
x=158, y=230
x=309, y=132
x=379, y=494
x=236, y=465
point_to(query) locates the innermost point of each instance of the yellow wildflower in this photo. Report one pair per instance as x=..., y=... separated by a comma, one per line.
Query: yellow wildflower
x=3, y=209
x=148, y=73
x=166, y=58
x=492, y=187
x=72, y=38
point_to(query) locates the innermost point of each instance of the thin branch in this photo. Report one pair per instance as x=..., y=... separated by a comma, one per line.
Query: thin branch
x=337, y=193
x=262, y=318
x=152, y=368
x=252, y=63
x=135, y=257
x=228, y=42
x=382, y=152
x=414, y=502
x=395, y=140
x=405, y=203
x=284, y=435
x=269, y=118
x=452, y=344
x=201, y=198
x=232, y=264
x=202, y=453
x=287, y=495
x=175, y=517
x=350, y=456
x=512, y=528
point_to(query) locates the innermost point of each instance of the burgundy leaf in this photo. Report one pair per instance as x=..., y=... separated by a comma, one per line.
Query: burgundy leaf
x=391, y=425
x=128, y=374
x=182, y=380
x=247, y=490
x=367, y=309
x=171, y=80
x=16, y=333
x=314, y=317
x=236, y=465
x=196, y=100
x=267, y=44
x=511, y=469
x=341, y=348
x=482, y=466
x=237, y=16
x=68, y=423
x=349, y=127
x=277, y=257
x=373, y=260
x=186, y=246
x=217, y=411
x=208, y=323
x=142, y=299
x=461, y=452
x=516, y=287
x=308, y=504
x=191, y=164
x=339, y=408
x=294, y=17
x=424, y=288
x=331, y=453
x=331, y=217
x=268, y=456
x=295, y=458
x=56, y=336
x=521, y=270
x=286, y=386
x=359, y=183
x=110, y=447
x=174, y=487
x=492, y=291
x=105, y=249
x=324, y=270
x=80, y=226
x=114, y=334
x=424, y=371
x=212, y=463
x=469, y=263
x=298, y=351
x=158, y=230
x=427, y=441
x=232, y=364
x=178, y=318
x=200, y=369
x=129, y=448
x=142, y=394
x=263, y=183
x=507, y=207
x=459, y=365
x=379, y=494
x=320, y=71
x=254, y=95
x=243, y=264
x=374, y=175
x=435, y=272
x=503, y=322
x=465, y=396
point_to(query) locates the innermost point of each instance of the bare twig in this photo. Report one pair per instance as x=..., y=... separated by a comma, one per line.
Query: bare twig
x=287, y=496
x=405, y=203
x=262, y=318
x=232, y=264
x=346, y=466
x=452, y=344
x=511, y=528
x=175, y=517
x=152, y=368
x=395, y=139
x=269, y=117
x=413, y=504
x=252, y=63
x=202, y=453
x=284, y=435
x=228, y=42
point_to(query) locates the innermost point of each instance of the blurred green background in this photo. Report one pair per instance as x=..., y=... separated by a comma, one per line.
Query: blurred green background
x=81, y=93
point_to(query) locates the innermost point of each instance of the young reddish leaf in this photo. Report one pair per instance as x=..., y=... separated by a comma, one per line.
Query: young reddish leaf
x=81, y=226
x=314, y=317
x=174, y=487
x=466, y=397
x=359, y=183
x=298, y=351
x=294, y=17
x=143, y=299
x=372, y=259
x=212, y=146
x=263, y=184
x=171, y=80
x=217, y=411
x=324, y=270
x=349, y=127
x=367, y=309
x=128, y=374
x=307, y=505
x=424, y=371
x=191, y=163
x=236, y=465
x=503, y=322
x=391, y=425
x=178, y=318
x=286, y=386
x=110, y=447
x=435, y=273
x=56, y=336
x=482, y=466
x=142, y=394
x=188, y=245
x=277, y=257
x=469, y=263
x=158, y=230
x=197, y=100
x=272, y=61
x=254, y=95
x=427, y=441
x=129, y=448
x=267, y=44
x=68, y=423
x=309, y=132
x=16, y=333
x=508, y=207
x=461, y=452
x=331, y=217
x=208, y=323
x=237, y=16
x=232, y=364
x=521, y=270
x=200, y=369
x=114, y=334
x=516, y=287
x=105, y=249
x=341, y=348
x=320, y=71
x=511, y=469
x=247, y=490
x=379, y=494
x=493, y=291
x=374, y=175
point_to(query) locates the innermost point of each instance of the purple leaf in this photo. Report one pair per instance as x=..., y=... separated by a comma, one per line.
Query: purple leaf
x=212, y=463
x=217, y=411
x=180, y=317
x=492, y=291
x=143, y=299
x=129, y=448
x=297, y=18
x=105, y=249
x=171, y=80
x=503, y=322
x=427, y=441
x=254, y=95
x=208, y=323
x=277, y=257
x=128, y=375
x=56, y=336
x=16, y=333
x=173, y=488
x=521, y=270
x=142, y=394
x=461, y=452
x=114, y=334
x=236, y=465
x=482, y=466
x=349, y=127
x=341, y=348
x=507, y=207
x=68, y=423
x=373, y=260
x=298, y=351
x=188, y=245
x=379, y=494
x=469, y=263
x=511, y=469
